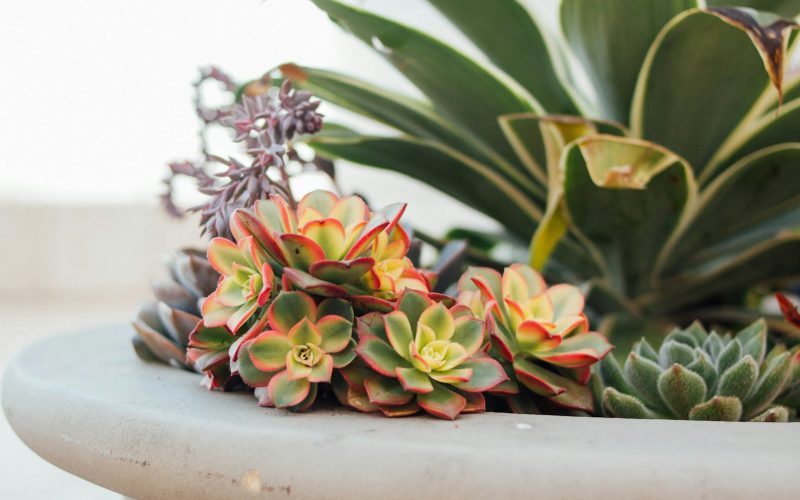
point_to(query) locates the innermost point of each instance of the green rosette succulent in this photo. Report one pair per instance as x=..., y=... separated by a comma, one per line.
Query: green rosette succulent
x=422, y=355
x=697, y=375
x=304, y=344
x=334, y=247
x=540, y=333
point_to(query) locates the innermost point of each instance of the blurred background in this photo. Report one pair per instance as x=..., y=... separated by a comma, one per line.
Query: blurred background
x=95, y=100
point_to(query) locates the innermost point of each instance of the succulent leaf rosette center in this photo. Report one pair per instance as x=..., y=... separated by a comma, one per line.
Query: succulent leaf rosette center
x=305, y=343
x=424, y=355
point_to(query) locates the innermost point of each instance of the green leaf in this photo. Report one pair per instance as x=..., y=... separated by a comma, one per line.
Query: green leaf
x=611, y=39
x=445, y=169
x=412, y=303
x=786, y=8
x=533, y=68
x=336, y=333
x=398, y=331
x=625, y=197
x=268, y=351
x=681, y=389
x=771, y=260
x=412, y=116
x=386, y=391
x=414, y=380
x=718, y=409
x=558, y=389
x=739, y=379
x=486, y=374
x=289, y=309
x=380, y=356
x=771, y=383
x=465, y=92
x=335, y=307
x=284, y=392
x=729, y=356
x=442, y=402
x=750, y=195
x=251, y=375
x=712, y=102
x=624, y=405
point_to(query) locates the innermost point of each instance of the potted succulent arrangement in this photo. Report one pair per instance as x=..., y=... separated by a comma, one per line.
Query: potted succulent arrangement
x=648, y=207
x=656, y=206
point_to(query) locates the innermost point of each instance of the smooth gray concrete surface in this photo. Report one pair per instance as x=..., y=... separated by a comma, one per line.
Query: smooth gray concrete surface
x=86, y=404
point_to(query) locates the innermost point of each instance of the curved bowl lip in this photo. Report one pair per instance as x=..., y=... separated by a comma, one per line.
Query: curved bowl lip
x=85, y=403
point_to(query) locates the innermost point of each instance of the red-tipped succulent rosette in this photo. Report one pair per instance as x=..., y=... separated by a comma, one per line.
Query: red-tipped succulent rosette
x=305, y=342
x=540, y=332
x=245, y=286
x=334, y=247
x=421, y=356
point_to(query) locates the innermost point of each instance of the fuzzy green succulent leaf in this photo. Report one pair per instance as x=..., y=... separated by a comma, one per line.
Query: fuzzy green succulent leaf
x=624, y=405
x=729, y=355
x=681, y=389
x=643, y=375
x=718, y=408
x=705, y=368
x=644, y=349
x=738, y=380
x=773, y=380
x=611, y=40
x=774, y=414
x=672, y=352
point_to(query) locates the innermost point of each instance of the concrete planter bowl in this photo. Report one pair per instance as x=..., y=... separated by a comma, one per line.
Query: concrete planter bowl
x=85, y=403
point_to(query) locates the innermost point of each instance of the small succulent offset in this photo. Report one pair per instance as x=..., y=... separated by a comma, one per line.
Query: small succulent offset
x=698, y=375
x=334, y=247
x=421, y=356
x=246, y=283
x=305, y=342
x=163, y=326
x=540, y=333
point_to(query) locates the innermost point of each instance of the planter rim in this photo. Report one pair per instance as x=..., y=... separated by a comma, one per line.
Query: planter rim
x=85, y=403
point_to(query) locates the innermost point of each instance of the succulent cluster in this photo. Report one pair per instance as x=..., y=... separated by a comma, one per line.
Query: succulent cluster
x=322, y=295
x=698, y=375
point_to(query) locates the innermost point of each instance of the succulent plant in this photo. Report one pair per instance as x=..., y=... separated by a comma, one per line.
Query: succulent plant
x=663, y=232
x=698, y=375
x=208, y=352
x=305, y=342
x=540, y=333
x=245, y=286
x=163, y=326
x=422, y=355
x=334, y=247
